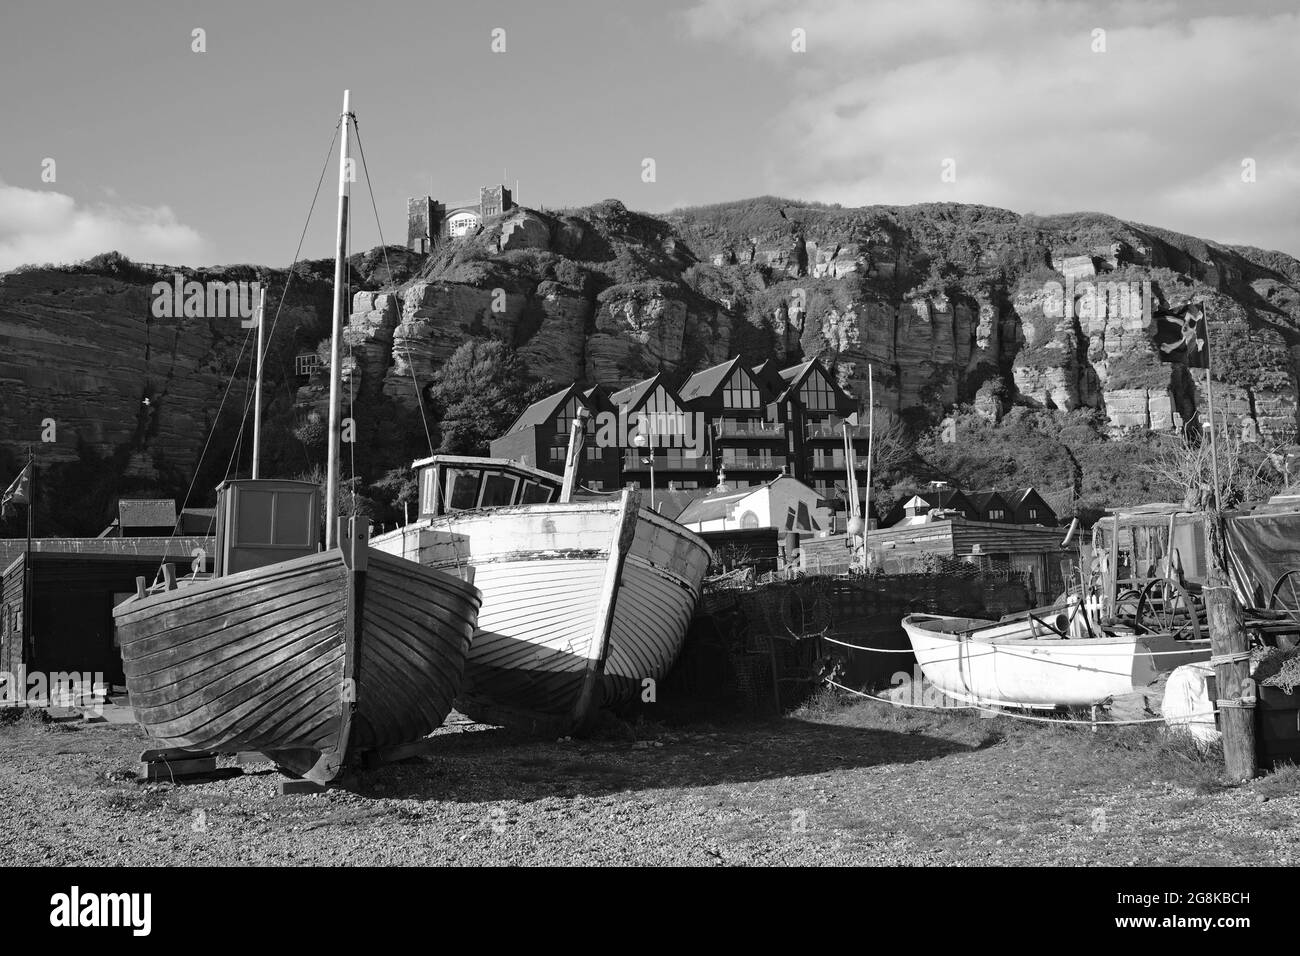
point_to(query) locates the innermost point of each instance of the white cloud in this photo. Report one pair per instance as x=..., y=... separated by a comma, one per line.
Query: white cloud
x=1154, y=129
x=39, y=226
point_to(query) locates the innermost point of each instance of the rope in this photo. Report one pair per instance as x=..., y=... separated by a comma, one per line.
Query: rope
x=860, y=647
x=1233, y=658
x=1007, y=713
x=1004, y=648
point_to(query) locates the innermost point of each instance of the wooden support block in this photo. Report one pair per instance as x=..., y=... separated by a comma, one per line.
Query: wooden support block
x=63, y=715
x=177, y=769
x=246, y=757
x=172, y=753
x=298, y=785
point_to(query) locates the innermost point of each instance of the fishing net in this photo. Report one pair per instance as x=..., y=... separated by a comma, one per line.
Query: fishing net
x=1279, y=668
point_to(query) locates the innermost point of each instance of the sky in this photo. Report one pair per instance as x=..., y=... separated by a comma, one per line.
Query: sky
x=172, y=155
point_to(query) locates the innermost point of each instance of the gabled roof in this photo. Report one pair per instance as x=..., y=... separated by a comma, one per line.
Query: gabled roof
x=634, y=395
x=146, y=512
x=714, y=506
x=704, y=383
x=983, y=500
x=598, y=398
x=543, y=410
x=796, y=375
x=768, y=374
x=671, y=504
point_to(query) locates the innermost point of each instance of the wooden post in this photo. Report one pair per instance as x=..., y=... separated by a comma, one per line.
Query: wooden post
x=571, y=460
x=1230, y=655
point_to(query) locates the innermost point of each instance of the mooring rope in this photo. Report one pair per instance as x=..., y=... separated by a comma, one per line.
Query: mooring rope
x=1005, y=713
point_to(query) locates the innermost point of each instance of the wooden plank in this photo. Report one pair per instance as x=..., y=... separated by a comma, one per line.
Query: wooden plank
x=624, y=534
x=178, y=769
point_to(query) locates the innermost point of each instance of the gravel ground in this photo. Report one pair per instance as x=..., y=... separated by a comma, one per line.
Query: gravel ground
x=831, y=784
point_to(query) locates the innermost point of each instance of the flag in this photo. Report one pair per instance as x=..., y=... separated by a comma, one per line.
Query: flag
x=1181, y=336
x=20, y=492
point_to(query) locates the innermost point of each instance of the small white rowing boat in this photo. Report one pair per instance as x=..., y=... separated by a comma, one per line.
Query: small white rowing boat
x=999, y=665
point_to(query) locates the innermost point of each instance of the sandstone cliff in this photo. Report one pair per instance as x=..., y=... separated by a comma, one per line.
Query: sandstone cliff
x=949, y=304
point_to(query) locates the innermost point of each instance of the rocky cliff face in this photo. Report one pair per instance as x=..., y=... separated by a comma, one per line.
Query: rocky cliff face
x=86, y=362
x=945, y=303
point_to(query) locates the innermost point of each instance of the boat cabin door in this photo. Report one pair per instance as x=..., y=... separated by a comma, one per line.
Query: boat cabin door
x=262, y=521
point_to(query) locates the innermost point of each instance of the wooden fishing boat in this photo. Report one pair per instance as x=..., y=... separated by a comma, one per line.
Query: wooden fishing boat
x=308, y=656
x=583, y=601
x=311, y=660
x=1011, y=665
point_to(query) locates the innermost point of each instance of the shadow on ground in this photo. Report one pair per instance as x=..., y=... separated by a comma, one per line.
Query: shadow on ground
x=496, y=765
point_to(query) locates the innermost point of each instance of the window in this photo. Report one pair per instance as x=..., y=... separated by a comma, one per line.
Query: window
x=828, y=457
x=660, y=418
x=460, y=224
x=462, y=488
x=688, y=485
x=498, y=489
x=996, y=514
x=558, y=452
x=593, y=453
x=564, y=421
x=740, y=392
x=817, y=393
x=306, y=364
x=536, y=493
x=1033, y=512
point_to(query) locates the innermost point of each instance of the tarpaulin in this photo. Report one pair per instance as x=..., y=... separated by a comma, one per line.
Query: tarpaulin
x=1261, y=548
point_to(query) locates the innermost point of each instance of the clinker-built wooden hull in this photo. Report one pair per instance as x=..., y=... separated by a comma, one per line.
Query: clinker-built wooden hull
x=310, y=661
x=582, y=602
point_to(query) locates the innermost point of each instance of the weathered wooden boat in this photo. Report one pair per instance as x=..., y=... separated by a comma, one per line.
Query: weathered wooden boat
x=310, y=657
x=311, y=660
x=1010, y=665
x=583, y=601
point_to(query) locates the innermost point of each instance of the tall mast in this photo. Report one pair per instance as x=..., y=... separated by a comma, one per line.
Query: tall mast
x=257, y=389
x=336, y=334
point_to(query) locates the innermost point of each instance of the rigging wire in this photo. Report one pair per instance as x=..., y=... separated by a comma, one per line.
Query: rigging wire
x=231, y=380
x=415, y=384
x=288, y=281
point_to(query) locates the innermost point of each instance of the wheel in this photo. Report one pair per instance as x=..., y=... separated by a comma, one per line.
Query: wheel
x=1126, y=605
x=1166, y=608
x=1286, y=594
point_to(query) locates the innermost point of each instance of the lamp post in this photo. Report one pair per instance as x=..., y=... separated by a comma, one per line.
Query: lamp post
x=642, y=442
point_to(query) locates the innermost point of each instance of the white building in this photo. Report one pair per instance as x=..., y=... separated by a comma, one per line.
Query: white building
x=784, y=503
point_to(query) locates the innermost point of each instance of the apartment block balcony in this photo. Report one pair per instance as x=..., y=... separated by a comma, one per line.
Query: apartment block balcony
x=822, y=430
x=637, y=462
x=754, y=463
x=838, y=464
x=731, y=428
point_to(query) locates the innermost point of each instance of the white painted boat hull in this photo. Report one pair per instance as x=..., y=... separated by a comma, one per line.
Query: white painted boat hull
x=1035, y=672
x=542, y=570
